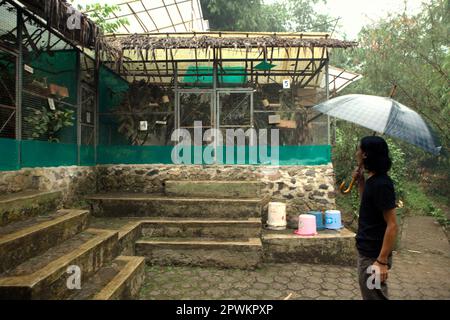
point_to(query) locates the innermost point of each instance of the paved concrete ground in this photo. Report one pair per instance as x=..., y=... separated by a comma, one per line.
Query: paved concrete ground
x=413, y=276
x=425, y=235
x=421, y=271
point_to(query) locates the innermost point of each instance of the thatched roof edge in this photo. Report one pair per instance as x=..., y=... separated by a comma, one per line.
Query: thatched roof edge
x=149, y=42
x=57, y=12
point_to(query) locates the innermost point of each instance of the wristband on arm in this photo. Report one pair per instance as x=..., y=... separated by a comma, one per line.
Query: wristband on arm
x=383, y=264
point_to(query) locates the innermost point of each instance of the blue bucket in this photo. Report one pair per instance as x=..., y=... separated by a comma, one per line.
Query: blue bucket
x=319, y=219
x=333, y=219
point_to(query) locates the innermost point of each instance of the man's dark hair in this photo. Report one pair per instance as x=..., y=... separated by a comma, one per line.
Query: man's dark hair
x=377, y=153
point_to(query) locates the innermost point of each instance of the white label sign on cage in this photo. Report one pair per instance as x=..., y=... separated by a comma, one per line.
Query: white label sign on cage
x=143, y=125
x=286, y=84
x=161, y=122
x=274, y=119
x=28, y=68
x=88, y=117
x=51, y=104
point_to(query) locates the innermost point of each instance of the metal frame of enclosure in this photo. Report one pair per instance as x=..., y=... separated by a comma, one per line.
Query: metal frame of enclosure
x=54, y=73
x=33, y=42
x=165, y=59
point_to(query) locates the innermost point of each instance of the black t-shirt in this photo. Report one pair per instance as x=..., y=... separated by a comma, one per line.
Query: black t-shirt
x=378, y=196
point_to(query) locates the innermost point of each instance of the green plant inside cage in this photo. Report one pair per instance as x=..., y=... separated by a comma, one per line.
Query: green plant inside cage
x=46, y=123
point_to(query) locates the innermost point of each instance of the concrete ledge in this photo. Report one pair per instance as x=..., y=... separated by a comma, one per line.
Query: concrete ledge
x=16, y=247
x=221, y=254
x=129, y=230
x=144, y=205
x=23, y=205
x=214, y=189
x=126, y=284
x=49, y=281
x=119, y=279
x=328, y=247
x=218, y=229
x=128, y=235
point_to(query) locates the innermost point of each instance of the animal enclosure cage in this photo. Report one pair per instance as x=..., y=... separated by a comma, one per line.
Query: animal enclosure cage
x=224, y=81
x=45, y=95
x=67, y=98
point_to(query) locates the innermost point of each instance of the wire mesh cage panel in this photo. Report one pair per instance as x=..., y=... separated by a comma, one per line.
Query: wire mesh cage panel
x=8, y=70
x=49, y=94
x=45, y=123
x=234, y=117
x=319, y=128
x=291, y=114
x=87, y=70
x=87, y=117
x=8, y=25
x=137, y=114
x=235, y=110
x=7, y=95
x=88, y=113
x=196, y=107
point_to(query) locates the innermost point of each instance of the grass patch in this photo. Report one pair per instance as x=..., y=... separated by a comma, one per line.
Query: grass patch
x=417, y=202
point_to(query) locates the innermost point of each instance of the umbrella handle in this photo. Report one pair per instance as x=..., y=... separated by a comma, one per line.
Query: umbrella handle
x=393, y=91
x=350, y=186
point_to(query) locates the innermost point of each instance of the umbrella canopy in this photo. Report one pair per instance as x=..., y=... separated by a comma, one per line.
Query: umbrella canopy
x=383, y=115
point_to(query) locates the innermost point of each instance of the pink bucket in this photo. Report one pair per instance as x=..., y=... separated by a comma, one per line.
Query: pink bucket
x=306, y=225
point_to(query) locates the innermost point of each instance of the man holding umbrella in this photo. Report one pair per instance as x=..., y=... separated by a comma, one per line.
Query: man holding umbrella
x=377, y=224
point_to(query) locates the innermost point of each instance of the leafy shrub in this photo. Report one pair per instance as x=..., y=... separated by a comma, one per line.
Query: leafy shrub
x=47, y=124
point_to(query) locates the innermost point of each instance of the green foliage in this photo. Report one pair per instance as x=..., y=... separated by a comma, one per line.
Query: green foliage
x=302, y=16
x=347, y=139
x=232, y=15
x=398, y=170
x=419, y=203
x=413, y=53
x=46, y=123
x=255, y=15
x=100, y=13
x=439, y=215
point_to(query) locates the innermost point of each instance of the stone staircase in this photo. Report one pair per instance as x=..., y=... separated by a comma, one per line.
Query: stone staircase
x=38, y=245
x=195, y=223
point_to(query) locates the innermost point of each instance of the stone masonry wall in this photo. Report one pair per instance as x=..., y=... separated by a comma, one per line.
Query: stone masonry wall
x=72, y=181
x=302, y=188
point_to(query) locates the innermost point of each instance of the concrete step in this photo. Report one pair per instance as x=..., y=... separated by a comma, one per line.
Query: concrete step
x=214, y=189
x=119, y=280
x=24, y=205
x=23, y=240
x=46, y=276
x=244, y=254
x=146, y=205
x=204, y=228
x=336, y=247
x=129, y=229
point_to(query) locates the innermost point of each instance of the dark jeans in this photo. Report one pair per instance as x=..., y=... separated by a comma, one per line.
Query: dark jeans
x=366, y=292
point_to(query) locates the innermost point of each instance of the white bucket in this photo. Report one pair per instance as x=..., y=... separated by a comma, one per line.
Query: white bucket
x=277, y=216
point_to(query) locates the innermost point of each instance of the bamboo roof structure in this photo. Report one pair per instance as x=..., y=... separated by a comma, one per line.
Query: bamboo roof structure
x=160, y=57
x=236, y=40
x=155, y=56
